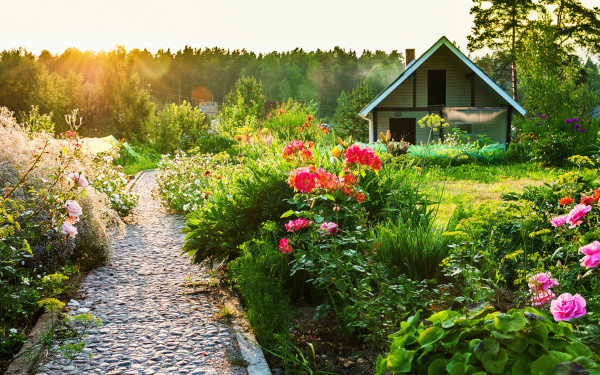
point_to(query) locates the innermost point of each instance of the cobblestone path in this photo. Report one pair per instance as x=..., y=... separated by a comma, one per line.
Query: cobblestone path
x=149, y=325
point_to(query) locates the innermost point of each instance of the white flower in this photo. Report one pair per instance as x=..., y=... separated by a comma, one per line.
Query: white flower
x=13, y=330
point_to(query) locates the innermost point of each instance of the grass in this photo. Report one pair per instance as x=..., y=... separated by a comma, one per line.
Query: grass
x=139, y=165
x=474, y=184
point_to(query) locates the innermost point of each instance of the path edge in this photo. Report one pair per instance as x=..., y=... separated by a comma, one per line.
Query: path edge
x=249, y=348
x=24, y=362
x=132, y=183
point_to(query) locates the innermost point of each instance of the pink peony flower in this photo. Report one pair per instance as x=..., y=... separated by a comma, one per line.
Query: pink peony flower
x=305, y=182
x=73, y=208
x=592, y=255
x=78, y=179
x=69, y=228
x=540, y=296
x=558, y=221
x=567, y=306
x=329, y=228
x=284, y=246
x=296, y=225
x=577, y=213
x=542, y=281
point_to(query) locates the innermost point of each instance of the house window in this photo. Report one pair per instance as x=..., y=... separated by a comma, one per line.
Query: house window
x=436, y=87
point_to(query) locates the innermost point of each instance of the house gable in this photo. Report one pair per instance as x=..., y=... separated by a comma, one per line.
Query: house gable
x=443, y=55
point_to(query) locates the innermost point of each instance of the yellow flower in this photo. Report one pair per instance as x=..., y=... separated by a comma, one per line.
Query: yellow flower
x=51, y=304
x=336, y=152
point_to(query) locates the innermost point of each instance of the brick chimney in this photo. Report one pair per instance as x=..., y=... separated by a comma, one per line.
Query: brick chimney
x=409, y=56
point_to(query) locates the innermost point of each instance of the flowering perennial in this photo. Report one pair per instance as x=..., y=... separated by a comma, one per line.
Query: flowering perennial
x=567, y=306
x=365, y=157
x=592, y=255
x=284, y=246
x=296, y=225
x=539, y=287
x=329, y=228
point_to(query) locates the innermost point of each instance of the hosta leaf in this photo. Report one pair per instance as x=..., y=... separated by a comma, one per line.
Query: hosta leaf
x=510, y=323
x=570, y=368
x=400, y=360
x=494, y=363
x=544, y=365
x=430, y=335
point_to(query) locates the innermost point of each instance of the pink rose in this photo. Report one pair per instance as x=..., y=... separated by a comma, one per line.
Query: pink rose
x=592, y=255
x=73, y=208
x=567, y=307
x=296, y=225
x=78, y=179
x=540, y=296
x=542, y=281
x=284, y=246
x=577, y=213
x=329, y=228
x=70, y=229
x=558, y=221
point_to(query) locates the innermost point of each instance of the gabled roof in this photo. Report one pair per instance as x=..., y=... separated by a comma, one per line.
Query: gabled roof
x=415, y=64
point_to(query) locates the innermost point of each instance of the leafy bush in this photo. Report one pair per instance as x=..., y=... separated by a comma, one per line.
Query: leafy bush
x=483, y=341
x=261, y=273
x=175, y=128
x=256, y=194
x=37, y=198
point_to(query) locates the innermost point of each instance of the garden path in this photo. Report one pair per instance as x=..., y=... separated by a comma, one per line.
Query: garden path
x=149, y=325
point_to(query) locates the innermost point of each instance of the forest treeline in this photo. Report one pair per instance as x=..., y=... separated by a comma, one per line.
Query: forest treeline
x=117, y=91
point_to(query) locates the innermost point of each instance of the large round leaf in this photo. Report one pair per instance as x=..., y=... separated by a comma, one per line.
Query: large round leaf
x=430, y=335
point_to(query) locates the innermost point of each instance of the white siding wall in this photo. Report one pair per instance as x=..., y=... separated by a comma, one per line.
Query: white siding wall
x=458, y=94
x=488, y=122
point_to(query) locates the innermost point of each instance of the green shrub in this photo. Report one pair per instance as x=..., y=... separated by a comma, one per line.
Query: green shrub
x=260, y=273
x=175, y=128
x=258, y=194
x=483, y=341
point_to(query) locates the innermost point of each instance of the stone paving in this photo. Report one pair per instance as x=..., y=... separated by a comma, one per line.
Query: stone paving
x=149, y=325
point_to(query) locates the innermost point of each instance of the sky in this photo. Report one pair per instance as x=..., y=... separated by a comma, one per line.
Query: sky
x=257, y=25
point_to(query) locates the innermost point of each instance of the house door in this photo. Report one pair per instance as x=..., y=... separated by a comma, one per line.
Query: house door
x=436, y=87
x=404, y=128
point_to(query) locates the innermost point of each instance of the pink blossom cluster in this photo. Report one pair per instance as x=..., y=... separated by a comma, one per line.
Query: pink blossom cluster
x=573, y=218
x=284, y=246
x=307, y=179
x=298, y=148
x=539, y=287
x=78, y=179
x=74, y=210
x=592, y=255
x=296, y=225
x=328, y=228
x=365, y=157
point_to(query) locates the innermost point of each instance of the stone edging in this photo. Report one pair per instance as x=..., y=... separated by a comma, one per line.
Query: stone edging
x=251, y=351
x=131, y=183
x=24, y=361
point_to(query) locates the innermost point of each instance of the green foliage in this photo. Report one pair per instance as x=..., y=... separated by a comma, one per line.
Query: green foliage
x=34, y=122
x=260, y=274
x=232, y=214
x=414, y=247
x=175, y=128
x=483, y=341
x=346, y=117
x=291, y=121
